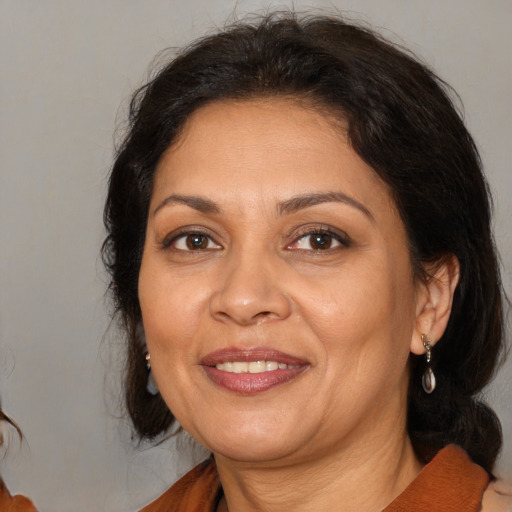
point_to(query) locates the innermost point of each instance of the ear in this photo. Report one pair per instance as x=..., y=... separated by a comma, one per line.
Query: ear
x=434, y=297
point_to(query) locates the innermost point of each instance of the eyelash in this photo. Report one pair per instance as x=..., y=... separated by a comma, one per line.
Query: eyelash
x=171, y=240
x=341, y=239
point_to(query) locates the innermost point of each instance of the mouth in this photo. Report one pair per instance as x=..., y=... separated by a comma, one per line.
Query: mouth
x=253, y=366
x=251, y=371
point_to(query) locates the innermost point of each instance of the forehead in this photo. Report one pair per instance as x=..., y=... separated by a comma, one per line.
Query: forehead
x=277, y=147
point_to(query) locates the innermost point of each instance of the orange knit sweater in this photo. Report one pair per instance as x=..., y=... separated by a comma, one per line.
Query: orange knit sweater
x=449, y=483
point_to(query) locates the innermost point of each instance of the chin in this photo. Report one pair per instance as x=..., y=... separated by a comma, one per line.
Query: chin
x=253, y=450
x=248, y=442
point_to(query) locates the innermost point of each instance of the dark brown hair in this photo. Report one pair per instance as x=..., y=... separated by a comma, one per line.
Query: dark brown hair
x=7, y=419
x=402, y=122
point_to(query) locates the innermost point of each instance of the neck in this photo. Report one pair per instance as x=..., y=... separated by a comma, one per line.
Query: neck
x=364, y=477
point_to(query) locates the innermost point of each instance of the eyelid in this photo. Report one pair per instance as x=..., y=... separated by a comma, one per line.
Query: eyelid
x=185, y=231
x=309, y=230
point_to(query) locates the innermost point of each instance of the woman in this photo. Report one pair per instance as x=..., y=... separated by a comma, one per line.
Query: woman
x=300, y=251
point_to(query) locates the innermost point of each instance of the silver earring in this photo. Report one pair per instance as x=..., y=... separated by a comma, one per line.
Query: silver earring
x=151, y=386
x=428, y=379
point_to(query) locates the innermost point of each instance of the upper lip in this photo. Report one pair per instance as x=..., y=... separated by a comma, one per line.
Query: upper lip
x=250, y=354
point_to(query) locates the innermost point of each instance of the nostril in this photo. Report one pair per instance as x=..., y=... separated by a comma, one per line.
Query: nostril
x=247, y=301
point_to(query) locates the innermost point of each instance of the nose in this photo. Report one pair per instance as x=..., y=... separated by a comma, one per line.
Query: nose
x=249, y=292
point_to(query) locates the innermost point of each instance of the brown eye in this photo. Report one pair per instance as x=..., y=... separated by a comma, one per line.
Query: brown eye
x=195, y=242
x=317, y=241
x=320, y=241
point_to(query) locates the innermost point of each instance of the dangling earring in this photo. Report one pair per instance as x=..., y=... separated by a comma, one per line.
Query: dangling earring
x=151, y=387
x=428, y=379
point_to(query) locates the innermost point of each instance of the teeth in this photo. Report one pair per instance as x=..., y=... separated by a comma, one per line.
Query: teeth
x=252, y=366
x=239, y=367
x=256, y=366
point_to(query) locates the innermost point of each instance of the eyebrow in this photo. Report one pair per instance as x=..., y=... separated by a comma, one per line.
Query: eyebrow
x=198, y=203
x=305, y=201
x=289, y=206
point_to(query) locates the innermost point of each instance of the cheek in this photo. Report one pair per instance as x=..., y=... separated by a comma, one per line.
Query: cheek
x=170, y=307
x=170, y=311
x=353, y=299
x=363, y=316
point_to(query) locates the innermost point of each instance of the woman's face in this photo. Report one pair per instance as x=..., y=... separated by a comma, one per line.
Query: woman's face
x=276, y=286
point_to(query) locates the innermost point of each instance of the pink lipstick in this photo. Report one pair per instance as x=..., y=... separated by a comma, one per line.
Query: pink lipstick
x=251, y=371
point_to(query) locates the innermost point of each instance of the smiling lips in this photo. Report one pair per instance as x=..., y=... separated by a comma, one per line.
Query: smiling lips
x=252, y=371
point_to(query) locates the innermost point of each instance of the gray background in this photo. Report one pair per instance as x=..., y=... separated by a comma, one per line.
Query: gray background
x=66, y=66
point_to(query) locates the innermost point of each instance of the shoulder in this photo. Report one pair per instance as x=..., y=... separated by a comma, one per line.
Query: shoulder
x=497, y=497
x=22, y=504
x=199, y=489
x=17, y=503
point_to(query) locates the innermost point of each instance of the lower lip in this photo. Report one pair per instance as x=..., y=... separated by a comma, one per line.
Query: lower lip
x=252, y=383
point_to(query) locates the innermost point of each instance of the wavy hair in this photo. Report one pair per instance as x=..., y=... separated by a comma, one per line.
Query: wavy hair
x=403, y=122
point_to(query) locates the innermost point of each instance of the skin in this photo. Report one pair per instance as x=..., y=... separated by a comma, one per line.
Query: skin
x=352, y=313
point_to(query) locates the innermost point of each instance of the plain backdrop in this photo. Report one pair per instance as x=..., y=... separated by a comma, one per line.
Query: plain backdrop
x=67, y=70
